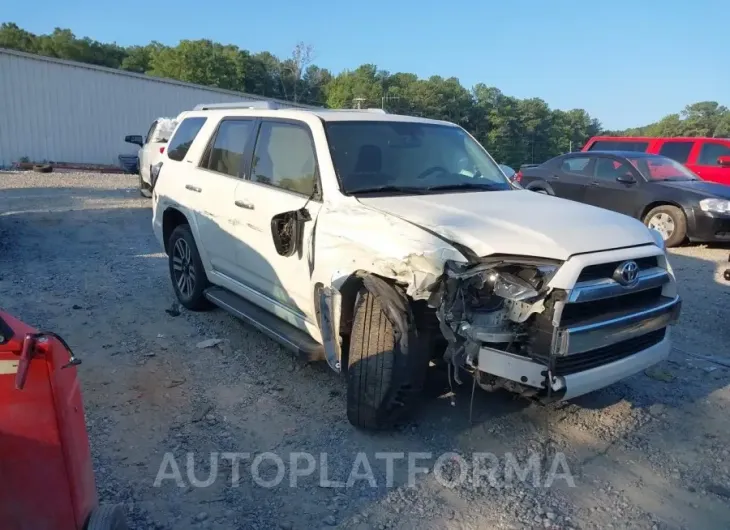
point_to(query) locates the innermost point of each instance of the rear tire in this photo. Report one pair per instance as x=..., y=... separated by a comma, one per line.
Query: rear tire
x=187, y=274
x=107, y=517
x=383, y=382
x=671, y=223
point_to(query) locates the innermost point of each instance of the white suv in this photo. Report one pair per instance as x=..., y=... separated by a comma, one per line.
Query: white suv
x=151, y=149
x=380, y=243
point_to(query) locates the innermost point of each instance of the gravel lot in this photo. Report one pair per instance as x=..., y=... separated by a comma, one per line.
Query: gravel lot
x=77, y=256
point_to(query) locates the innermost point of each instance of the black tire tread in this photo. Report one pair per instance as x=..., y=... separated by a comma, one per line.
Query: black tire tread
x=384, y=383
x=107, y=517
x=198, y=301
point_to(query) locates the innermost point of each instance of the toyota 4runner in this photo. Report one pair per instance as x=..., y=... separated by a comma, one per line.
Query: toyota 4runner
x=380, y=243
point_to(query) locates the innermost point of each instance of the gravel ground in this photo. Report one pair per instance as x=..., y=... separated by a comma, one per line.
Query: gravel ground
x=77, y=256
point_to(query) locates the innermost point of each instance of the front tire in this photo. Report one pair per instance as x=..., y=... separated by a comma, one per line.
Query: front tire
x=383, y=381
x=186, y=269
x=107, y=517
x=670, y=222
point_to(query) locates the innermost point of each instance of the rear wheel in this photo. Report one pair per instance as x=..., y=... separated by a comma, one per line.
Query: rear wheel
x=670, y=222
x=186, y=269
x=384, y=382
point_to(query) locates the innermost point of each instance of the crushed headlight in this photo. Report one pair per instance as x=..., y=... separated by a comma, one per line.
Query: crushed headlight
x=506, y=285
x=720, y=206
x=520, y=283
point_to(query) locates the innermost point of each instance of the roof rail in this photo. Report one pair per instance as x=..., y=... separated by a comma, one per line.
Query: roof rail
x=373, y=111
x=239, y=105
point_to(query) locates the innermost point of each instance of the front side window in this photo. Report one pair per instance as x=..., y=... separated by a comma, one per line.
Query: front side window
x=711, y=152
x=678, y=151
x=284, y=157
x=611, y=169
x=225, y=154
x=183, y=138
x=662, y=168
x=409, y=157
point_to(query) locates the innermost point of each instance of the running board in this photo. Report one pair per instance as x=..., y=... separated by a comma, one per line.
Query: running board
x=282, y=332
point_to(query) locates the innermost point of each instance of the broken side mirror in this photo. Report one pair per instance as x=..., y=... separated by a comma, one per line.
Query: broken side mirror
x=287, y=229
x=135, y=139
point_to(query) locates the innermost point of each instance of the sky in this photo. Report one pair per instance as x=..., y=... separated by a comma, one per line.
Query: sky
x=627, y=62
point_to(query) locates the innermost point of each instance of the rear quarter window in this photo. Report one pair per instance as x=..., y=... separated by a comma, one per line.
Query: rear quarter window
x=183, y=138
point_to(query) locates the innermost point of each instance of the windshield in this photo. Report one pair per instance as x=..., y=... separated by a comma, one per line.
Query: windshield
x=662, y=168
x=407, y=157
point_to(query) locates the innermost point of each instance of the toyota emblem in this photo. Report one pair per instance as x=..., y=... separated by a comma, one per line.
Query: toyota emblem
x=627, y=273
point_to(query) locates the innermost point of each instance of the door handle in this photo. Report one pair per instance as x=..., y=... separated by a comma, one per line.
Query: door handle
x=192, y=188
x=244, y=204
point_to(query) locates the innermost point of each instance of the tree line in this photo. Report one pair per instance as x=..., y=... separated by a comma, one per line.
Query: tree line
x=514, y=130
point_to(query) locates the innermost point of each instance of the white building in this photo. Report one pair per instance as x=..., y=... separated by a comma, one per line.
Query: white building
x=64, y=111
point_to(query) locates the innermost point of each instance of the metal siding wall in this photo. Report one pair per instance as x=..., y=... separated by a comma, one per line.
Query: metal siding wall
x=66, y=113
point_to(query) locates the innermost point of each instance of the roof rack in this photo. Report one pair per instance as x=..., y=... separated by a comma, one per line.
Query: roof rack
x=373, y=111
x=239, y=105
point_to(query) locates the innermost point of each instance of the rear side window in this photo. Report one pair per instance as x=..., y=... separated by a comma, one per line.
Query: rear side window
x=225, y=154
x=678, y=151
x=284, y=157
x=710, y=153
x=578, y=165
x=618, y=145
x=183, y=138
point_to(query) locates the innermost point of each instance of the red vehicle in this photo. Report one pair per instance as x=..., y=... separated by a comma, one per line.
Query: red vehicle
x=709, y=158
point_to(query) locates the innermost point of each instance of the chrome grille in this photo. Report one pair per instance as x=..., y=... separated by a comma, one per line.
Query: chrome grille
x=605, y=270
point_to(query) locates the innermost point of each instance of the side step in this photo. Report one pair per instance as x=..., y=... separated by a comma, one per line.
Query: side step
x=282, y=332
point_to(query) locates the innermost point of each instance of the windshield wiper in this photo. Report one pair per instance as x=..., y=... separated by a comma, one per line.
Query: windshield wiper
x=467, y=186
x=389, y=187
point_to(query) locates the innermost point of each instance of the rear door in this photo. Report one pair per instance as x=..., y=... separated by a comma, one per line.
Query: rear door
x=221, y=170
x=706, y=164
x=572, y=177
x=678, y=150
x=605, y=191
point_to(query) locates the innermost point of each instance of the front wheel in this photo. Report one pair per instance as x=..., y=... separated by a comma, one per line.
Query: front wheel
x=670, y=222
x=186, y=269
x=384, y=382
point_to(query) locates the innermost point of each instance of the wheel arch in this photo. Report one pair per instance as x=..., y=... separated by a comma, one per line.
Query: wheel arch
x=657, y=203
x=171, y=219
x=540, y=185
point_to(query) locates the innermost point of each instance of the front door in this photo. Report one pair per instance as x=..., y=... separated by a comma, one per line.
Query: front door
x=706, y=164
x=284, y=178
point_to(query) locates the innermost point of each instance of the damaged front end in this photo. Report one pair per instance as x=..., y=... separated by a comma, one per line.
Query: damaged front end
x=488, y=307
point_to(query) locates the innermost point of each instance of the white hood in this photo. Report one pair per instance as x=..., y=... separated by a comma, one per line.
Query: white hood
x=516, y=222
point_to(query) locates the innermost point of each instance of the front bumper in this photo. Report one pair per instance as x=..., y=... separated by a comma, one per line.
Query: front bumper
x=591, y=357
x=709, y=227
x=530, y=373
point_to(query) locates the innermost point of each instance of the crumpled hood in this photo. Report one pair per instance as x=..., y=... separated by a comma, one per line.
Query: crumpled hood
x=516, y=222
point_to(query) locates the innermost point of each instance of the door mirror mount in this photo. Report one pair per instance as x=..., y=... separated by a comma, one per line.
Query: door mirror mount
x=723, y=161
x=628, y=178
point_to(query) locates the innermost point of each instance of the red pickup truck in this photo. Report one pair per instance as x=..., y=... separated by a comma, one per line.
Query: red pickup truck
x=709, y=158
